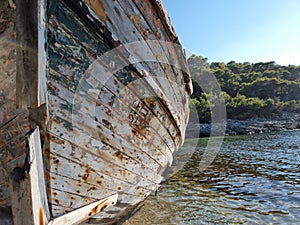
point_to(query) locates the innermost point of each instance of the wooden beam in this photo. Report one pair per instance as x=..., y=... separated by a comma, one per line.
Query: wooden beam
x=42, y=56
x=39, y=199
x=27, y=59
x=31, y=54
x=80, y=215
x=28, y=187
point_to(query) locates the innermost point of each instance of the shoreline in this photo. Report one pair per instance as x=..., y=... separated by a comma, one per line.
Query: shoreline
x=242, y=127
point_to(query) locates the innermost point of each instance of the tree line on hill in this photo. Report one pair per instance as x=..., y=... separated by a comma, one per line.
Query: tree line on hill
x=250, y=90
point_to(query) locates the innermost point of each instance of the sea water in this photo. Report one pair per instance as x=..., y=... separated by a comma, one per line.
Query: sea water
x=254, y=179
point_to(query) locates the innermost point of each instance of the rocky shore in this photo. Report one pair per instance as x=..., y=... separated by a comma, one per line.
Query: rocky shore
x=249, y=126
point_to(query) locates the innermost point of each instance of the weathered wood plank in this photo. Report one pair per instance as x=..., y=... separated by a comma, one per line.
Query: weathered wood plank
x=87, y=176
x=8, y=89
x=158, y=20
x=94, y=191
x=126, y=99
x=107, y=155
x=7, y=99
x=113, y=212
x=83, y=14
x=108, y=133
x=4, y=193
x=111, y=106
x=155, y=69
x=27, y=59
x=71, y=24
x=3, y=175
x=113, y=152
x=20, y=199
x=117, y=164
x=74, y=186
x=6, y=156
x=105, y=97
x=126, y=147
x=12, y=133
x=57, y=209
x=6, y=167
x=139, y=131
x=39, y=202
x=84, y=213
x=114, y=178
x=28, y=193
x=105, y=132
x=120, y=144
x=12, y=145
x=9, y=112
x=7, y=53
x=158, y=48
x=173, y=52
x=119, y=18
x=138, y=68
x=69, y=202
x=119, y=211
x=41, y=54
x=60, y=207
x=83, y=170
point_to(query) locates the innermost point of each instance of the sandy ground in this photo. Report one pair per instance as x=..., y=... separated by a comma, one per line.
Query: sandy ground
x=147, y=214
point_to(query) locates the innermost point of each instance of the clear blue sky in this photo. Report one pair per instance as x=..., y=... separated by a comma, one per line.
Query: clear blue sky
x=239, y=30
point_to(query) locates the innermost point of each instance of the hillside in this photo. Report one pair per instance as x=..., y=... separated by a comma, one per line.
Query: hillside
x=252, y=91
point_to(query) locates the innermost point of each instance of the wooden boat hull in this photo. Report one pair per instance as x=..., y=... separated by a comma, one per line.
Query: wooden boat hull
x=107, y=83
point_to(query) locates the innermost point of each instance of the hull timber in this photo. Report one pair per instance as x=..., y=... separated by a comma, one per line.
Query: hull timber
x=107, y=84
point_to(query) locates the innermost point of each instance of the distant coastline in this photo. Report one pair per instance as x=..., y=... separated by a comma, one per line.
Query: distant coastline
x=287, y=121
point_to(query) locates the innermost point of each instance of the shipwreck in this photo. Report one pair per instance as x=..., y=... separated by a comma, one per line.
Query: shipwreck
x=94, y=99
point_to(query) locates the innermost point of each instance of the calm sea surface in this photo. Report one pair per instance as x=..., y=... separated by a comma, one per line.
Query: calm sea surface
x=254, y=179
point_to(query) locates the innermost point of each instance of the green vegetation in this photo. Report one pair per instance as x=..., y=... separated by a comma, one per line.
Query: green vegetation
x=250, y=90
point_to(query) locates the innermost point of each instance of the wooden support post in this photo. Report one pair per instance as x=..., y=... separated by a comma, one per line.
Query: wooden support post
x=27, y=57
x=28, y=187
x=31, y=54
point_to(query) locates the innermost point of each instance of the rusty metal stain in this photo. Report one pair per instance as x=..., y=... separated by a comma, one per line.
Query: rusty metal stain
x=101, y=207
x=41, y=216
